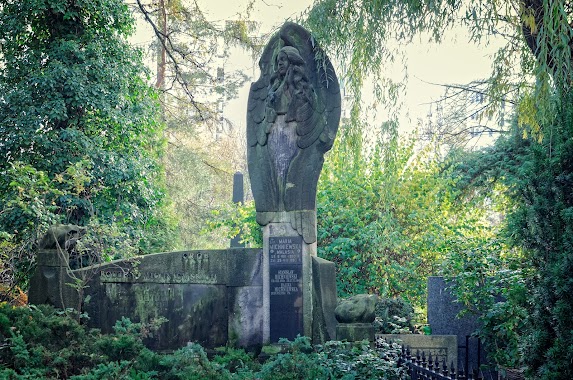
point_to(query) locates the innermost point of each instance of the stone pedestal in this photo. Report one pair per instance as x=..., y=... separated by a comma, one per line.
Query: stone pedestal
x=52, y=282
x=287, y=283
x=324, y=300
x=355, y=332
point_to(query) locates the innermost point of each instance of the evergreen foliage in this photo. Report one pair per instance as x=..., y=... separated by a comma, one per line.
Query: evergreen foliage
x=530, y=325
x=79, y=133
x=543, y=225
x=42, y=342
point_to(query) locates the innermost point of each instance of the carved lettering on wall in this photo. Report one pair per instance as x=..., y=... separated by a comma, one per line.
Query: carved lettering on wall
x=114, y=275
x=195, y=268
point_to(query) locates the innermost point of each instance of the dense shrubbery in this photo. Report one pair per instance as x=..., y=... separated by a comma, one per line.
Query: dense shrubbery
x=529, y=264
x=543, y=225
x=81, y=141
x=394, y=316
x=43, y=342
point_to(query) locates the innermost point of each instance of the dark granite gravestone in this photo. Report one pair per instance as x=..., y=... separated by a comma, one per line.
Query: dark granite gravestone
x=443, y=318
x=285, y=275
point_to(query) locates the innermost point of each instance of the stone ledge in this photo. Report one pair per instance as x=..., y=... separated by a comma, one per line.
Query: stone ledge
x=355, y=332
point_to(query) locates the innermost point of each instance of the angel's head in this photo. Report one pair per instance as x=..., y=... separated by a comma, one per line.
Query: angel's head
x=287, y=56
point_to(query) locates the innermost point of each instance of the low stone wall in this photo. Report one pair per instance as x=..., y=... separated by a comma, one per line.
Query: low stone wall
x=213, y=297
x=439, y=346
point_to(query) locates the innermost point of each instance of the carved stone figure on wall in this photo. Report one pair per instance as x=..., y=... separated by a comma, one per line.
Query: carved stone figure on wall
x=292, y=119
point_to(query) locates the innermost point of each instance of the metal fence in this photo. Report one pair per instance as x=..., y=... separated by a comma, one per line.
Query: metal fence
x=421, y=367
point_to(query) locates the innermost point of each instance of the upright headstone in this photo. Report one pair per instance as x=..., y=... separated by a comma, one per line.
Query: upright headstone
x=443, y=311
x=292, y=119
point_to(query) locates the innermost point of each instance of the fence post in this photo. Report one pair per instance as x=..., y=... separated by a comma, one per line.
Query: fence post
x=452, y=373
x=430, y=363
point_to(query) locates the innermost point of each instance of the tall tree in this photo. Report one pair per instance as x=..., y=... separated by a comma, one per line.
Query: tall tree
x=367, y=34
x=75, y=101
x=195, y=83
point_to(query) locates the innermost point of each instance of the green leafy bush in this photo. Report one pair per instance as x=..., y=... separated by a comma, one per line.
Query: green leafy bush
x=300, y=361
x=334, y=360
x=45, y=343
x=240, y=363
x=360, y=361
x=394, y=316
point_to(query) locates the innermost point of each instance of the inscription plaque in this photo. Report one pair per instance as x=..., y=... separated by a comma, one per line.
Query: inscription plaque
x=285, y=277
x=285, y=250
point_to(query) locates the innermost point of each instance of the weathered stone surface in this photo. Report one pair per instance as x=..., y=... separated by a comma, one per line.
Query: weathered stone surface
x=355, y=332
x=442, y=347
x=245, y=316
x=245, y=267
x=210, y=297
x=292, y=119
x=62, y=236
x=188, y=288
x=196, y=311
x=357, y=309
x=324, y=298
x=51, y=283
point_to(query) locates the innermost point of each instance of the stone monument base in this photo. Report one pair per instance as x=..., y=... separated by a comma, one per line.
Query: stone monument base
x=441, y=347
x=213, y=297
x=355, y=332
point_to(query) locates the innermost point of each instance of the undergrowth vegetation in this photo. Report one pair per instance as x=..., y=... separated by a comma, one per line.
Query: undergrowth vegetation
x=40, y=342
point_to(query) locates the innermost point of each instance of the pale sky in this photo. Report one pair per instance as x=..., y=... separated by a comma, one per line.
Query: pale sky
x=454, y=61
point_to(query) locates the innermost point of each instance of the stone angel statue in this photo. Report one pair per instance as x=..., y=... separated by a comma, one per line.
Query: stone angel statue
x=292, y=119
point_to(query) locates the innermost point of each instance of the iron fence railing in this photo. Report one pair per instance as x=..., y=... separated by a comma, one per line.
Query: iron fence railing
x=422, y=367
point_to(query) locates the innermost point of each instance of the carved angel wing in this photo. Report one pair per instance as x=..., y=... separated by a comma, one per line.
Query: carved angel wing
x=318, y=116
x=261, y=172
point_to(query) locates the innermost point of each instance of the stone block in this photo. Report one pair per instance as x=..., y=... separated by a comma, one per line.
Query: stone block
x=51, y=283
x=194, y=312
x=245, y=316
x=245, y=267
x=440, y=346
x=324, y=298
x=355, y=332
